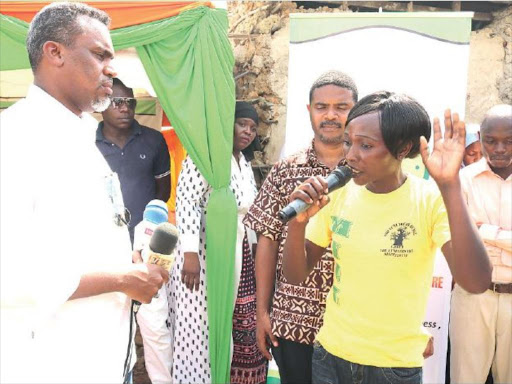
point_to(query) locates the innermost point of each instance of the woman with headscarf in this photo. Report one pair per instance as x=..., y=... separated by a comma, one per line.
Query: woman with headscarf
x=188, y=302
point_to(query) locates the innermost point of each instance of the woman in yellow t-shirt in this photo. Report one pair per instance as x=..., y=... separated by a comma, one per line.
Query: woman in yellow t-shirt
x=384, y=228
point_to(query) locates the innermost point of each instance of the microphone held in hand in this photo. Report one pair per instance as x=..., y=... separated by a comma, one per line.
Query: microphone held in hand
x=160, y=250
x=337, y=179
x=161, y=246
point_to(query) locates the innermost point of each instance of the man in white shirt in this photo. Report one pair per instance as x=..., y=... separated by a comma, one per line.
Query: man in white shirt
x=66, y=271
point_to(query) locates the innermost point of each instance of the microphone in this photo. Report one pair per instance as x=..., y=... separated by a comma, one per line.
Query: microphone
x=337, y=179
x=160, y=250
x=161, y=246
x=154, y=214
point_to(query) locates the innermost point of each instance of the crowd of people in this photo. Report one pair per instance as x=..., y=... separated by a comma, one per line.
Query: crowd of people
x=336, y=295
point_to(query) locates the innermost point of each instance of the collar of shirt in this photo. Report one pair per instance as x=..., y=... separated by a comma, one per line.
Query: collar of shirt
x=480, y=167
x=54, y=119
x=46, y=105
x=312, y=158
x=137, y=130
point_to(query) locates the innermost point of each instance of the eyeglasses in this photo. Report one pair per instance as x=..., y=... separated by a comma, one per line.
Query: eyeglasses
x=118, y=102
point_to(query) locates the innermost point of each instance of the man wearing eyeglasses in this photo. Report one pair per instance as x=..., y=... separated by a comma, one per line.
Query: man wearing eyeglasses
x=138, y=154
x=140, y=157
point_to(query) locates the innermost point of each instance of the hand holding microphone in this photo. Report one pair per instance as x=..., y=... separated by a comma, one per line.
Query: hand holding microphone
x=156, y=238
x=143, y=281
x=159, y=253
x=311, y=196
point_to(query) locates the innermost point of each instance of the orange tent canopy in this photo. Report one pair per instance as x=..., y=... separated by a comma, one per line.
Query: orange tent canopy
x=122, y=13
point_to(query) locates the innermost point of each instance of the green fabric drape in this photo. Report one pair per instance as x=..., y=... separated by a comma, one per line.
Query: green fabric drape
x=13, y=52
x=189, y=61
x=192, y=74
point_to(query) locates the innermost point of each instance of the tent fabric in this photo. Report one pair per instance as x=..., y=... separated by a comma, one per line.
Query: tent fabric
x=189, y=61
x=122, y=13
x=13, y=33
x=13, y=52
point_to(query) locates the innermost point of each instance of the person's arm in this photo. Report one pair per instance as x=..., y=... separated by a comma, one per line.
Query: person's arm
x=163, y=188
x=300, y=255
x=162, y=171
x=465, y=253
x=139, y=282
x=191, y=187
x=266, y=261
x=262, y=218
x=496, y=236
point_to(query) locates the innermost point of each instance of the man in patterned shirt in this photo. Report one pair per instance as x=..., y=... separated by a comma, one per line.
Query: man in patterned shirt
x=289, y=323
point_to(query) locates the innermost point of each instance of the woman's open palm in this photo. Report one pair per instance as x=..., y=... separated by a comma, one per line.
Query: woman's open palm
x=443, y=164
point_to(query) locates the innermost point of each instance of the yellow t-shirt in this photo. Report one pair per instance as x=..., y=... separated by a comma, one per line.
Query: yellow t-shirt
x=384, y=247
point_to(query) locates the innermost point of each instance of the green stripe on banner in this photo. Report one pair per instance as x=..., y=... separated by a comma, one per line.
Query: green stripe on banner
x=273, y=376
x=308, y=27
x=145, y=107
x=6, y=104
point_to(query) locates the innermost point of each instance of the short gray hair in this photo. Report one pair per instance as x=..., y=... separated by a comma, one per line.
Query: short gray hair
x=58, y=22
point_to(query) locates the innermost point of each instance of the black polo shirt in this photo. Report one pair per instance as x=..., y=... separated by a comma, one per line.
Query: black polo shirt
x=144, y=158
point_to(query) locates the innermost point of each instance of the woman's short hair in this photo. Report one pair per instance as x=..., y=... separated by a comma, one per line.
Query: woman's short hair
x=402, y=120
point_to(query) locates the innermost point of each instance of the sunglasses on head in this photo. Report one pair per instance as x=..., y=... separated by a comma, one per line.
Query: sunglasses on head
x=118, y=102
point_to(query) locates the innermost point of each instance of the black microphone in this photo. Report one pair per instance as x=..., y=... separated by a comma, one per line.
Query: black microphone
x=337, y=179
x=161, y=247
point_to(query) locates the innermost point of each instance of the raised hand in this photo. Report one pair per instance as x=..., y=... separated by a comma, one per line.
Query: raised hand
x=443, y=164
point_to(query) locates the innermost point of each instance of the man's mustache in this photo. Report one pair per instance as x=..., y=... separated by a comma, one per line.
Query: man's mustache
x=324, y=124
x=107, y=83
x=499, y=157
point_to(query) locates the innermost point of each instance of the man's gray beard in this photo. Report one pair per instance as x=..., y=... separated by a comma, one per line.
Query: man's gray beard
x=100, y=105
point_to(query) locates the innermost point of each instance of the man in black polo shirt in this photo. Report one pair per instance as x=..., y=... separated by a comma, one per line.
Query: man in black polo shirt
x=140, y=157
x=138, y=154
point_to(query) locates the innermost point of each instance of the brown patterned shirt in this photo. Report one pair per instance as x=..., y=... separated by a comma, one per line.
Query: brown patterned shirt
x=297, y=310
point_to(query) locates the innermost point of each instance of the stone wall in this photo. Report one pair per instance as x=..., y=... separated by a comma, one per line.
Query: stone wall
x=259, y=32
x=490, y=67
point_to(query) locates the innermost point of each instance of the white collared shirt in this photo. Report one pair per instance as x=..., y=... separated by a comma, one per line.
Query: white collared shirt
x=57, y=224
x=489, y=200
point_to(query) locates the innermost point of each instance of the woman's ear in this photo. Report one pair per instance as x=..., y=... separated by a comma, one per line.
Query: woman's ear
x=404, y=151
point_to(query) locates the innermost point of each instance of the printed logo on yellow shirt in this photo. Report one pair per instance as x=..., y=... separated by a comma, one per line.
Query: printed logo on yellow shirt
x=399, y=233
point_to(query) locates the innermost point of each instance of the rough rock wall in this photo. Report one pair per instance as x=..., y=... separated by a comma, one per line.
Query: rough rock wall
x=259, y=32
x=490, y=67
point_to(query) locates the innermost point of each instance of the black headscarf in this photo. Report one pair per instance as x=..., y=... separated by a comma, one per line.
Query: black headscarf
x=246, y=110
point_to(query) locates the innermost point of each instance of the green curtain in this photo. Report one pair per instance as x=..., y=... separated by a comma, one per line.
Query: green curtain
x=192, y=74
x=13, y=53
x=189, y=61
